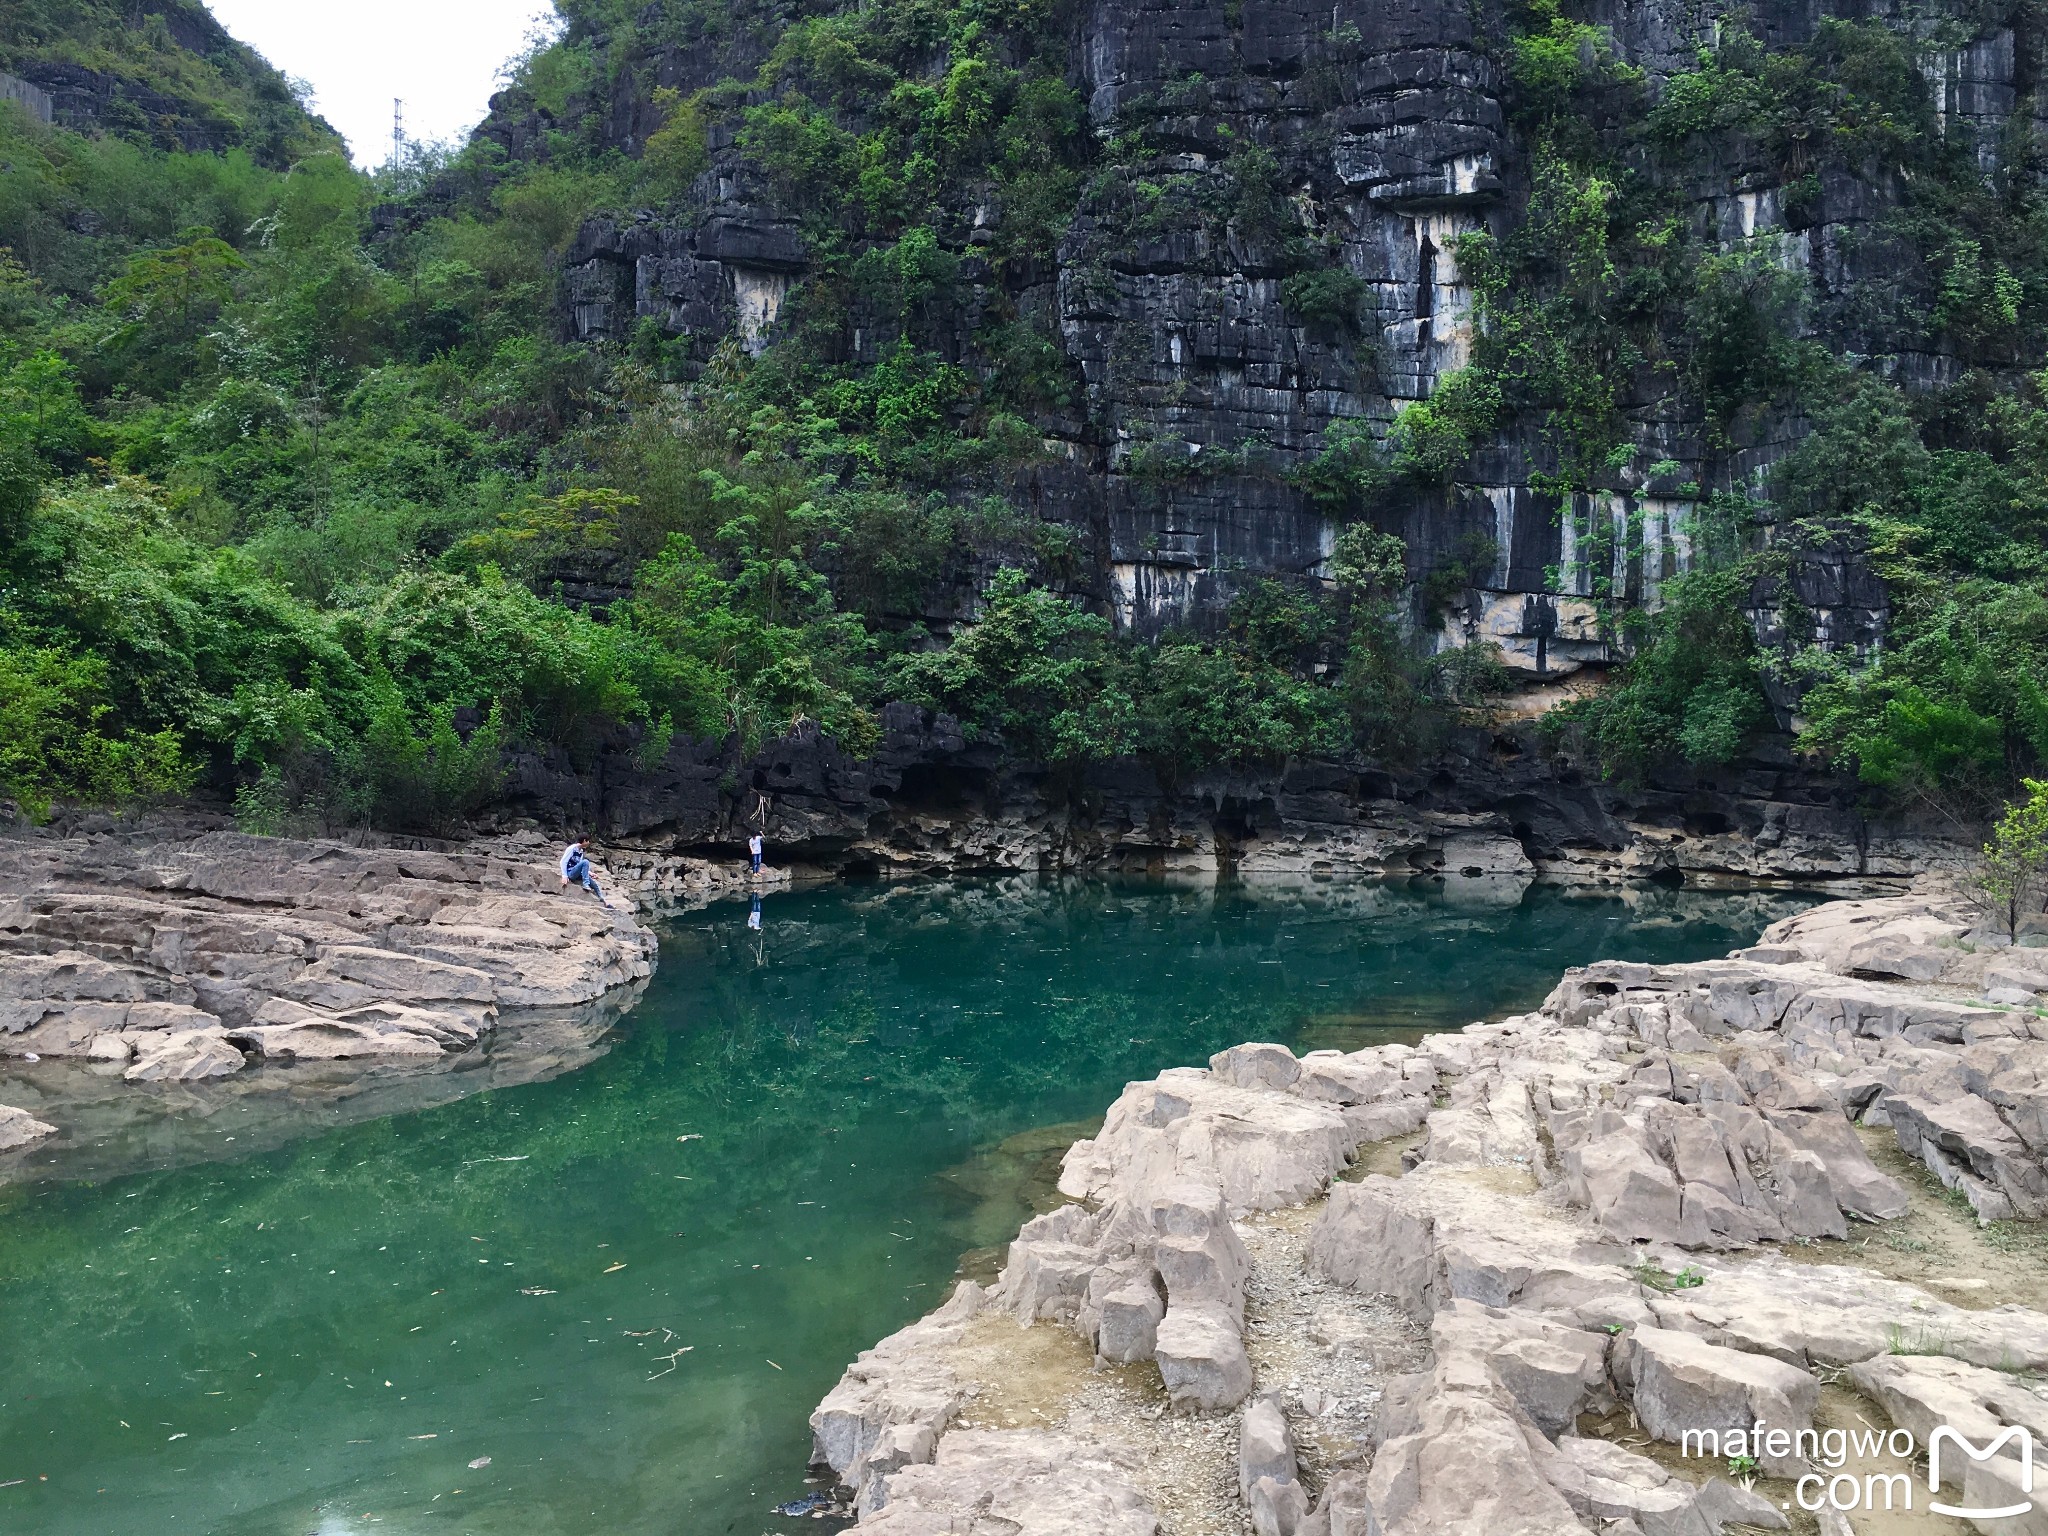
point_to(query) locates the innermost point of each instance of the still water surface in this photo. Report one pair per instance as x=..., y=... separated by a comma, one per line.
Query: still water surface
x=627, y=1287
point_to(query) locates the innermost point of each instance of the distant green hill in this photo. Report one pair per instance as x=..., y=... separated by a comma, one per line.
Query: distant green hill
x=156, y=72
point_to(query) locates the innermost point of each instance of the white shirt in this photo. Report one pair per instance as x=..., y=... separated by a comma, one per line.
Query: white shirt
x=754, y=844
x=569, y=856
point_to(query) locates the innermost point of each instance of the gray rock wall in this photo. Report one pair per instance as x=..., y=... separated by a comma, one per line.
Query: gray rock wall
x=1199, y=391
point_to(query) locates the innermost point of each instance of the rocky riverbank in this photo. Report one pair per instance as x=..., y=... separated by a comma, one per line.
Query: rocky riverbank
x=1500, y=802
x=1488, y=1284
x=152, y=969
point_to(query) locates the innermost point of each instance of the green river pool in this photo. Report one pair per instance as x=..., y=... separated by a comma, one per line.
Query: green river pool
x=606, y=1302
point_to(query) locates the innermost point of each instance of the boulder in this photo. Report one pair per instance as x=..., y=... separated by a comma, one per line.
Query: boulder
x=1265, y=1446
x=2017, y=979
x=1434, y=1236
x=1342, y=1510
x=1261, y=1149
x=1462, y=1460
x=1256, y=1066
x=183, y=1056
x=1965, y=1144
x=1373, y=1239
x=1051, y=1264
x=1632, y=1195
x=1677, y=1383
x=2019, y=1092
x=1602, y=1481
x=1197, y=1251
x=1202, y=1359
x=1011, y=1482
x=18, y=1128
x=906, y=1381
x=1921, y=1393
x=1276, y=1508
x=1855, y=1184
x=1333, y=1077
x=1128, y=1329
x=1553, y=1372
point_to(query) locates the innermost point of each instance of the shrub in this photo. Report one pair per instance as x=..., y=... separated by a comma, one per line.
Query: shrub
x=2013, y=870
x=55, y=740
x=1326, y=296
x=1692, y=692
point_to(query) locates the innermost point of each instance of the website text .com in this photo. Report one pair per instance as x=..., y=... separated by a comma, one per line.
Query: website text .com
x=1996, y=1470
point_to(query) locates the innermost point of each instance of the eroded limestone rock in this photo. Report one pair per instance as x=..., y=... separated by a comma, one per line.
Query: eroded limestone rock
x=1588, y=1225
x=177, y=951
x=1010, y=1482
x=18, y=1128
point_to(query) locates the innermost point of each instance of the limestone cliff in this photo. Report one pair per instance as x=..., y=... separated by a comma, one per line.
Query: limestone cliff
x=1264, y=248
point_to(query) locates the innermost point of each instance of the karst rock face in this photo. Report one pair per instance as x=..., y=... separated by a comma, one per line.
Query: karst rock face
x=1196, y=388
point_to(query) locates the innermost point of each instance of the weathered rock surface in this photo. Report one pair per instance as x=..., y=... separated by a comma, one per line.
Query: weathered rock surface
x=1499, y=807
x=177, y=956
x=1589, y=1223
x=18, y=1128
x=1923, y=1392
x=1014, y=1483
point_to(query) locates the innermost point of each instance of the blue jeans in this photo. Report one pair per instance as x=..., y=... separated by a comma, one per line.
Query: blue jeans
x=579, y=871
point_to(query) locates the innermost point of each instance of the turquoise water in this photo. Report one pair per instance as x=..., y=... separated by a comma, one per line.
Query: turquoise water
x=627, y=1287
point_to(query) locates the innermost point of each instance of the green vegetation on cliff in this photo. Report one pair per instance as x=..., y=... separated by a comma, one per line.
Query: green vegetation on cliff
x=304, y=498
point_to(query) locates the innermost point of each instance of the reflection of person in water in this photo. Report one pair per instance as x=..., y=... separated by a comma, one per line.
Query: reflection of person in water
x=754, y=917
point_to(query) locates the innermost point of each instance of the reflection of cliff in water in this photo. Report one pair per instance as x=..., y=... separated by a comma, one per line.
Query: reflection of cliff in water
x=112, y=1127
x=1242, y=944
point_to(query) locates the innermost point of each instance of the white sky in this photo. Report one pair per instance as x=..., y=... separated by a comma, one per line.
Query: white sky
x=442, y=57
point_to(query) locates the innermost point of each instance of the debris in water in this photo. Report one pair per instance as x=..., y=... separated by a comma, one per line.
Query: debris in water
x=480, y=1463
x=616, y=1267
x=771, y=1362
x=693, y=1136
x=813, y=1504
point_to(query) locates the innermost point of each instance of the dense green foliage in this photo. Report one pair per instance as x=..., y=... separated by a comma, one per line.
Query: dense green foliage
x=1942, y=493
x=304, y=500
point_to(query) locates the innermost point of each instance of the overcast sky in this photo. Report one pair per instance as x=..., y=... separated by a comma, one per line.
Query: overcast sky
x=442, y=57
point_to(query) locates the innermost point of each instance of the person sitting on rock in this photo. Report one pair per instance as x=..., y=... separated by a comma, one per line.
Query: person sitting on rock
x=576, y=870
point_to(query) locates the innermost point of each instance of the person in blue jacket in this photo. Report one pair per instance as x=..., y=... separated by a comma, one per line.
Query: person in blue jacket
x=576, y=870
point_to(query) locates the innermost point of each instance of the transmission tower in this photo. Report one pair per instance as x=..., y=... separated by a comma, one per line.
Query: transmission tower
x=397, y=130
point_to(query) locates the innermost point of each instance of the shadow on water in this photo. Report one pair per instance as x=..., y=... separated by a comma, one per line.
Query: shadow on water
x=606, y=1300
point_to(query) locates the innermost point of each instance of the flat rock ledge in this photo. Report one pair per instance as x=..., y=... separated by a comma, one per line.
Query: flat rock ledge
x=1488, y=1284
x=178, y=958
